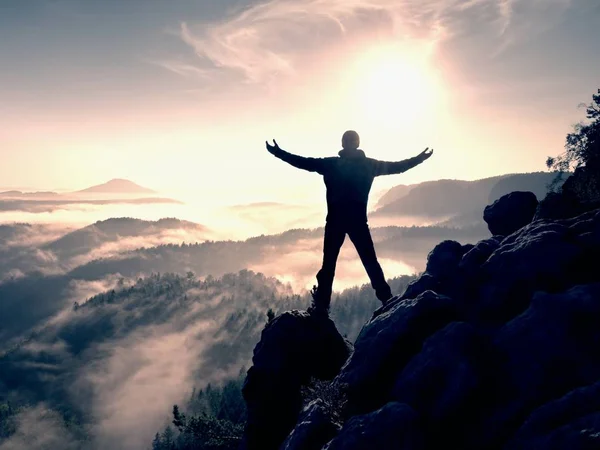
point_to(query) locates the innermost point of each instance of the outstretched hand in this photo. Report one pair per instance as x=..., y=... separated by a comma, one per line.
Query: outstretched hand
x=426, y=154
x=272, y=148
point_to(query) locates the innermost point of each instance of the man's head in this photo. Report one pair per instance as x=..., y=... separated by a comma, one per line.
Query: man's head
x=350, y=140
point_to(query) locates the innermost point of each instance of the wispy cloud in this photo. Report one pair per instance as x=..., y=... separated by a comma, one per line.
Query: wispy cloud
x=183, y=68
x=272, y=40
x=520, y=19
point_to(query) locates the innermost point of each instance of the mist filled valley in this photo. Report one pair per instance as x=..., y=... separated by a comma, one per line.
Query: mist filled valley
x=299, y=225
x=105, y=326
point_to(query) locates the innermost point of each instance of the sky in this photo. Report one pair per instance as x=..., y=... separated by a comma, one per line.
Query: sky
x=180, y=96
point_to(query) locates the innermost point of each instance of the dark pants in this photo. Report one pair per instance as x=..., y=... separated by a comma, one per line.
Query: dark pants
x=335, y=233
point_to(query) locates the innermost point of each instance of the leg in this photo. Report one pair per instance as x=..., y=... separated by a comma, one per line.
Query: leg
x=361, y=238
x=334, y=239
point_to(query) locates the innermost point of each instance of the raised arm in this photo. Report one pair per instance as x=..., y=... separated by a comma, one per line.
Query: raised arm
x=390, y=168
x=301, y=162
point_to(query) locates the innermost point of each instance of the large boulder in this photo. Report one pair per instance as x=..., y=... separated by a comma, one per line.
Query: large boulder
x=510, y=212
x=470, y=274
x=541, y=256
x=572, y=422
x=426, y=282
x=442, y=271
x=549, y=350
x=544, y=255
x=394, y=427
x=314, y=429
x=294, y=348
x=443, y=260
x=472, y=260
x=387, y=342
x=450, y=382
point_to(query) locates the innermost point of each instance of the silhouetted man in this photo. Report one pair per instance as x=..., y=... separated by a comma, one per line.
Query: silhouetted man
x=348, y=179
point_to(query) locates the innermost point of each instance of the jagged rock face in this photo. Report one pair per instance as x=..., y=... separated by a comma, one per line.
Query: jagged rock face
x=387, y=342
x=472, y=261
x=495, y=347
x=571, y=422
x=450, y=381
x=497, y=277
x=541, y=256
x=510, y=212
x=395, y=426
x=293, y=348
x=314, y=429
x=551, y=349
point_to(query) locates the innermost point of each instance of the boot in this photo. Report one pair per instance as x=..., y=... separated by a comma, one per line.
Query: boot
x=319, y=306
x=385, y=302
x=384, y=295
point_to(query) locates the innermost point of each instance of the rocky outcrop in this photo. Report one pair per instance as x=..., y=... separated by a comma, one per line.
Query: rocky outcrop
x=496, y=278
x=494, y=347
x=388, y=342
x=394, y=426
x=544, y=353
x=294, y=348
x=550, y=349
x=472, y=260
x=442, y=273
x=314, y=429
x=443, y=260
x=510, y=212
x=571, y=421
x=543, y=256
x=450, y=381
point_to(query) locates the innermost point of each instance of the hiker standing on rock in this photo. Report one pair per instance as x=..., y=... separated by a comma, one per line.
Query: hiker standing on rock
x=348, y=179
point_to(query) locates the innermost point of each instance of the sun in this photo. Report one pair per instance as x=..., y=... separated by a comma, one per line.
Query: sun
x=394, y=87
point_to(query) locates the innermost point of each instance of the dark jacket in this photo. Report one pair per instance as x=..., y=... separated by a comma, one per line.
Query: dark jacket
x=348, y=178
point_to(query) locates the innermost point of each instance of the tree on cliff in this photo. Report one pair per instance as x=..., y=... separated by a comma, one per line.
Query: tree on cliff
x=582, y=152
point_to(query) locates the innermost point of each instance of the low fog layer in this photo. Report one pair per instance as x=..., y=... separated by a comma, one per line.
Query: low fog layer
x=38, y=281
x=118, y=361
x=104, y=327
x=41, y=206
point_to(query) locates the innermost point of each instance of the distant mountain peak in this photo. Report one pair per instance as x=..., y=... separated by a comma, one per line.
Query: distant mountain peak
x=118, y=186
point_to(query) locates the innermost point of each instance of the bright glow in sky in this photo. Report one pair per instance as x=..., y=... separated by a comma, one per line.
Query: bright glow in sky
x=181, y=97
x=397, y=89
